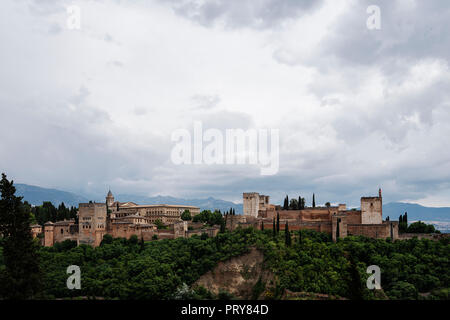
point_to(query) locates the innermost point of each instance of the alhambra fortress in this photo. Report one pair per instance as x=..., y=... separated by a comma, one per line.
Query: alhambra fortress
x=337, y=220
x=124, y=219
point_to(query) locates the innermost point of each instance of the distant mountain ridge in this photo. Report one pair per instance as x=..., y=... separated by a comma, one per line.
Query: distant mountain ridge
x=36, y=195
x=415, y=212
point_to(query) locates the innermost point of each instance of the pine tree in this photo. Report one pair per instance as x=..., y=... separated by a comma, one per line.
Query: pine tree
x=314, y=201
x=21, y=278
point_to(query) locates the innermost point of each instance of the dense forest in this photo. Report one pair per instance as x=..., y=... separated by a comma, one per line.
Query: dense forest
x=131, y=269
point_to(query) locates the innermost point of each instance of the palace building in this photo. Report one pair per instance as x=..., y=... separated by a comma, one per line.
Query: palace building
x=119, y=219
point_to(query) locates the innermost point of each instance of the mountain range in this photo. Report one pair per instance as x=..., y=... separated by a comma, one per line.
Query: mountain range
x=36, y=195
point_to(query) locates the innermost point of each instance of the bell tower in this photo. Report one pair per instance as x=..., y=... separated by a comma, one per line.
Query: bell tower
x=109, y=199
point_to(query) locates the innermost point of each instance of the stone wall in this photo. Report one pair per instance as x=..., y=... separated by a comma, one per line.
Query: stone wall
x=126, y=230
x=353, y=216
x=377, y=231
x=430, y=236
x=65, y=230
x=307, y=215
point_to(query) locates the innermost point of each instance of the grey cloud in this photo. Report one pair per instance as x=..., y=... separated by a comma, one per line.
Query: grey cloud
x=224, y=119
x=54, y=29
x=116, y=63
x=69, y=148
x=205, y=101
x=409, y=31
x=243, y=13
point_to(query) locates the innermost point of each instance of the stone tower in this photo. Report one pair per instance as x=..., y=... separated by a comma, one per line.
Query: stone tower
x=92, y=223
x=253, y=202
x=48, y=234
x=372, y=209
x=109, y=199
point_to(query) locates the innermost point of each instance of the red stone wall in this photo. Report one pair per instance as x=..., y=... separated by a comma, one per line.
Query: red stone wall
x=353, y=216
x=379, y=231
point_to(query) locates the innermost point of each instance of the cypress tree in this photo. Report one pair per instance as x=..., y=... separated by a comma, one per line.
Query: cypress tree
x=400, y=219
x=21, y=278
x=405, y=218
x=299, y=204
x=287, y=235
x=141, y=244
x=278, y=223
x=314, y=201
x=274, y=229
x=356, y=288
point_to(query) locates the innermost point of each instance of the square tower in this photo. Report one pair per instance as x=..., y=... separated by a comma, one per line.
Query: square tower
x=92, y=223
x=253, y=202
x=372, y=209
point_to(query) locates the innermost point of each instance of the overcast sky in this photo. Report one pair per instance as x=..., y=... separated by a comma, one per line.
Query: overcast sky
x=357, y=109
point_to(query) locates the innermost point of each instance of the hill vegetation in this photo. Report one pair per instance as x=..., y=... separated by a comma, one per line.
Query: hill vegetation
x=131, y=269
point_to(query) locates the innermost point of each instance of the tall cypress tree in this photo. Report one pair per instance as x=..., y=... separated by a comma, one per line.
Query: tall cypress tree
x=274, y=228
x=405, y=218
x=22, y=276
x=355, y=285
x=287, y=235
x=400, y=219
x=278, y=223
x=299, y=204
x=286, y=203
x=314, y=201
